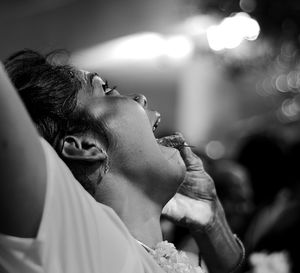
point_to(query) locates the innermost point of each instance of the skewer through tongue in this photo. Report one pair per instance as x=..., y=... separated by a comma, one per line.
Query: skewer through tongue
x=174, y=141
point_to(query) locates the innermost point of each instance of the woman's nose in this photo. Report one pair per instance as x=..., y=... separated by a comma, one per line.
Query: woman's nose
x=141, y=99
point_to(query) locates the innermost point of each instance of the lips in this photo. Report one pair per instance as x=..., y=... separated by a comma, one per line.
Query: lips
x=156, y=121
x=156, y=124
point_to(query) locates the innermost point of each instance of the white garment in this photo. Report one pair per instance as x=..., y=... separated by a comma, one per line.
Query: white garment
x=76, y=234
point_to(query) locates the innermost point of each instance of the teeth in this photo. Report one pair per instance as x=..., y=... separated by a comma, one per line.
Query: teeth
x=156, y=124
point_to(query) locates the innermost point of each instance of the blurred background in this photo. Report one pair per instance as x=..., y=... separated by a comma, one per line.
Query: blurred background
x=226, y=73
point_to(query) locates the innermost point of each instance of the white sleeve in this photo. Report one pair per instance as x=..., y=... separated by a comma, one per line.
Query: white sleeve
x=76, y=233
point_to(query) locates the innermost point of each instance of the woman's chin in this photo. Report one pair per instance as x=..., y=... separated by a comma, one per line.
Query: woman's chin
x=176, y=166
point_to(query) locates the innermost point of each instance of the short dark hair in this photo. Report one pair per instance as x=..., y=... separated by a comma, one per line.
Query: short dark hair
x=49, y=91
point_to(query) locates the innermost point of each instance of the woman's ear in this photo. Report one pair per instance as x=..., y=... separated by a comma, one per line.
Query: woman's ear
x=82, y=148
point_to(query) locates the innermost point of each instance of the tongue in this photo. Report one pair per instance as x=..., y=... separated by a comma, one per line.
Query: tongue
x=173, y=141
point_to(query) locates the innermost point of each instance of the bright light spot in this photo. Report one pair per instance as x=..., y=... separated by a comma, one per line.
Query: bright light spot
x=252, y=29
x=197, y=25
x=215, y=38
x=151, y=46
x=136, y=48
x=215, y=149
x=232, y=31
x=141, y=46
x=178, y=47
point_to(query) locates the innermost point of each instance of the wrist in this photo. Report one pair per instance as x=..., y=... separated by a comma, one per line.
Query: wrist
x=221, y=250
x=242, y=256
x=214, y=217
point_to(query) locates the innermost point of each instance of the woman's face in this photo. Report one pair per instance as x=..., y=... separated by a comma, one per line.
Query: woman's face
x=133, y=152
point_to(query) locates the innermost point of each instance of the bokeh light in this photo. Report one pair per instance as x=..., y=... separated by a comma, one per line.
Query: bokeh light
x=139, y=46
x=215, y=149
x=232, y=31
x=177, y=47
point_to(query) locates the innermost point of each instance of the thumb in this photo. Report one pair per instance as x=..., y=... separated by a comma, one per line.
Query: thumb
x=192, y=161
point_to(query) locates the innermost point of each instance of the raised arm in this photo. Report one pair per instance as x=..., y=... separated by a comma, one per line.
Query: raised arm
x=22, y=166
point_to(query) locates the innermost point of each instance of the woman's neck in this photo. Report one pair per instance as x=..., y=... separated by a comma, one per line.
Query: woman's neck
x=147, y=231
x=139, y=213
x=142, y=217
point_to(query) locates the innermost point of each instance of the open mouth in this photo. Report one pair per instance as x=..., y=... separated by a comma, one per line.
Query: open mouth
x=157, y=121
x=173, y=141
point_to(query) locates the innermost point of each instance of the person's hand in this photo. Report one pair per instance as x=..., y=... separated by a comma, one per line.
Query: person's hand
x=197, y=207
x=194, y=204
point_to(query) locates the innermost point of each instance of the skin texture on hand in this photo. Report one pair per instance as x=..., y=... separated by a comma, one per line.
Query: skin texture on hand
x=196, y=206
x=194, y=203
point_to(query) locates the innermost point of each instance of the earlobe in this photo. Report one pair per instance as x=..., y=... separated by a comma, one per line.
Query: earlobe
x=82, y=148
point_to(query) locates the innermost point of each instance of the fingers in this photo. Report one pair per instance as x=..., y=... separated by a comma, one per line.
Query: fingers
x=197, y=184
x=192, y=161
